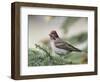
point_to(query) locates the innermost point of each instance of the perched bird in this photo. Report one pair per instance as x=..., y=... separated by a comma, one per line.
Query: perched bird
x=59, y=46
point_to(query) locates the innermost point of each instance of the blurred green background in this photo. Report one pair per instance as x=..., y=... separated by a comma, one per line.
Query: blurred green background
x=70, y=29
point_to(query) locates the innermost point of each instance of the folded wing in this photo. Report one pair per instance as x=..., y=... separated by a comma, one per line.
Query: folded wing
x=64, y=45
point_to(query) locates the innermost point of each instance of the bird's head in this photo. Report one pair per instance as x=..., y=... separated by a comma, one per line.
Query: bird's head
x=53, y=35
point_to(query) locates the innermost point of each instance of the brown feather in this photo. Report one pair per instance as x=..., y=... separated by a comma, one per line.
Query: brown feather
x=64, y=45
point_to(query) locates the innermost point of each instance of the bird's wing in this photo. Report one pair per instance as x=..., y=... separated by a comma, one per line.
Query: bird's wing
x=64, y=45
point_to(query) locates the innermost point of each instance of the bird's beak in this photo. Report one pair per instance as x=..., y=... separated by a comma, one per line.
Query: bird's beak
x=49, y=34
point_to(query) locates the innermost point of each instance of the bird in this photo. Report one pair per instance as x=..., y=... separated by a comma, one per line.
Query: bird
x=60, y=46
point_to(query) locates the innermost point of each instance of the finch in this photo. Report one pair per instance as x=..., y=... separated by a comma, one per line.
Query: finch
x=59, y=46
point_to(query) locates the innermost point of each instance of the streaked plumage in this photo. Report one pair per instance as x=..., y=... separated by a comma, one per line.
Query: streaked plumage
x=59, y=46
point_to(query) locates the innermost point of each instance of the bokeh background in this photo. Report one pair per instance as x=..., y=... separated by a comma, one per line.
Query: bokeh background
x=70, y=29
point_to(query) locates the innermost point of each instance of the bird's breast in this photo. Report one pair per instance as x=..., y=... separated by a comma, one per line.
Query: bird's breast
x=57, y=50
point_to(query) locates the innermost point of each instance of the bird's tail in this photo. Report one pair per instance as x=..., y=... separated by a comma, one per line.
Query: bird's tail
x=79, y=50
x=82, y=51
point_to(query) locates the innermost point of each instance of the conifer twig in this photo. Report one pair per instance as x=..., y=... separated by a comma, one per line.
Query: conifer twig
x=38, y=46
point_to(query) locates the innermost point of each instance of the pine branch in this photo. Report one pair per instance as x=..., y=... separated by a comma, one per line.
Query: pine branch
x=44, y=50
